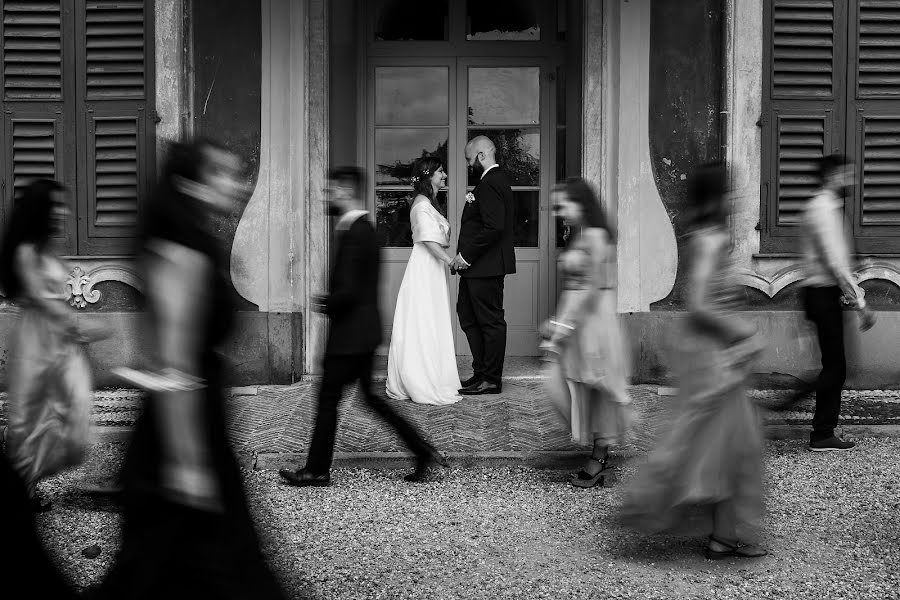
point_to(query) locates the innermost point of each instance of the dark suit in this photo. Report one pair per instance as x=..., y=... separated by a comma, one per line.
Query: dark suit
x=353, y=336
x=486, y=243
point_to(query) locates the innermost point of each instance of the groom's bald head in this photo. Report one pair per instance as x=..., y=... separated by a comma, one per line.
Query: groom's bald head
x=480, y=154
x=480, y=144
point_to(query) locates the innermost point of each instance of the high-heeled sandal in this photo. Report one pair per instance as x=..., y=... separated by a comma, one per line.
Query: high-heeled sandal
x=733, y=550
x=585, y=480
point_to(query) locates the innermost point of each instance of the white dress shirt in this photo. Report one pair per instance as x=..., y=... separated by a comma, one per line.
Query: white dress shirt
x=826, y=252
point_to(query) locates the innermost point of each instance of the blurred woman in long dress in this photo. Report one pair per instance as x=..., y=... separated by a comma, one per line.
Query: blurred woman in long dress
x=48, y=374
x=187, y=531
x=711, y=457
x=586, y=357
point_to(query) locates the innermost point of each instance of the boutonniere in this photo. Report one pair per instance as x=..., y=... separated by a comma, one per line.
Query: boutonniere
x=470, y=198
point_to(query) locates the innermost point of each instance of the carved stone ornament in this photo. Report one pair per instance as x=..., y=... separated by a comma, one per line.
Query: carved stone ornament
x=80, y=285
x=79, y=289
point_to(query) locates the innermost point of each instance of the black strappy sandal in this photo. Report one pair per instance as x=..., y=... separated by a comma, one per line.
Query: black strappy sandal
x=585, y=480
x=735, y=550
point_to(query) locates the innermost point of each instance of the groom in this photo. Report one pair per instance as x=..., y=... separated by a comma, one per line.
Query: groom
x=485, y=256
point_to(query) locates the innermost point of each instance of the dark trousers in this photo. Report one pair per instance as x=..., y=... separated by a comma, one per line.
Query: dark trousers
x=340, y=371
x=480, y=310
x=823, y=308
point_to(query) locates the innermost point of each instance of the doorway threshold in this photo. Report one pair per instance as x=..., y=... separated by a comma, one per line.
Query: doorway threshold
x=515, y=368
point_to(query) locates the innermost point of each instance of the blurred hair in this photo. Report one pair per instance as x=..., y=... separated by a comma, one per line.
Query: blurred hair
x=30, y=223
x=579, y=191
x=170, y=213
x=424, y=168
x=352, y=177
x=829, y=164
x=706, y=190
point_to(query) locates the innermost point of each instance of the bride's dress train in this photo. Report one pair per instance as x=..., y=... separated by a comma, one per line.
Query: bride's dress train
x=422, y=358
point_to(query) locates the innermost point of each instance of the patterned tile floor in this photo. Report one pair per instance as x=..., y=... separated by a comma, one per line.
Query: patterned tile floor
x=278, y=419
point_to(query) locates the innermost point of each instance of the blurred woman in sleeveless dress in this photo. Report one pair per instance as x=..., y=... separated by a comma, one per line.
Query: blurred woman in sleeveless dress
x=48, y=374
x=711, y=457
x=586, y=357
x=187, y=531
x=422, y=359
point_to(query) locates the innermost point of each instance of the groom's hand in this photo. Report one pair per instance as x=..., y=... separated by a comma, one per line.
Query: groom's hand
x=459, y=264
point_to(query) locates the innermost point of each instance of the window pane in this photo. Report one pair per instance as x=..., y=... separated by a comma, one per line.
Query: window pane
x=392, y=216
x=518, y=152
x=404, y=20
x=504, y=96
x=503, y=20
x=412, y=95
x=396, y=149
x=525, y=230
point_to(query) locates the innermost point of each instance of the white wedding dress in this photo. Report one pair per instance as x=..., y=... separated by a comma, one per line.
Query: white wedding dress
x=422, y=359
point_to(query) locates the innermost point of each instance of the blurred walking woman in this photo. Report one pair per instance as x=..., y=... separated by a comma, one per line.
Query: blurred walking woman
x=586, y=356
x=48, y=374
x=187, y=531
x=711, y=458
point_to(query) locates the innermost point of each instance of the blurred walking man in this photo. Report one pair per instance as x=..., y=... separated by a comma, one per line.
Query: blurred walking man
x=829, y=287
x=354, y=334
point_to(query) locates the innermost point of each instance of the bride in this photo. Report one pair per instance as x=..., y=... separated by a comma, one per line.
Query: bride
x=422, y=359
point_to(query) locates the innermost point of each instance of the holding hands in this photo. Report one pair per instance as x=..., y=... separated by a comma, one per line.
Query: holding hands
x=458, y=264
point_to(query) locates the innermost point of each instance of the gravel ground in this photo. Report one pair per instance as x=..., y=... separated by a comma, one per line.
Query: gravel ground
x=832, y=530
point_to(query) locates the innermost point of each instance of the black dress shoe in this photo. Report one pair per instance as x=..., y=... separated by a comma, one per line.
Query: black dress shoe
x=470, y=381
x=420, y=474
x=481, y=388
x=303, y=478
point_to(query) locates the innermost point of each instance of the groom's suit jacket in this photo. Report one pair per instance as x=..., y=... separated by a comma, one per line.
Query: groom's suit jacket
x=352, y=301
x=486, y=228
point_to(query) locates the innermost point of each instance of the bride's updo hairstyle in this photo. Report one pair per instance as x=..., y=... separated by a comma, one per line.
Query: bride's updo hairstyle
x=422, y=171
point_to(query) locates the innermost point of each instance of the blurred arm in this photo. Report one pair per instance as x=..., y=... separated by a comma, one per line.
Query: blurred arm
x=572, y=304
x=179, y=292
x=700, y=303
x=346, y=290
x=29, y=269
x=829, y=238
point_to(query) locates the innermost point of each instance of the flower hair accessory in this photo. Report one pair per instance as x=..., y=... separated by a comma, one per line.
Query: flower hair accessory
x=414, y=179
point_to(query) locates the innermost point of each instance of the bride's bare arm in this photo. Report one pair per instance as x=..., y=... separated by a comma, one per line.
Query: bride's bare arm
x=438, y=252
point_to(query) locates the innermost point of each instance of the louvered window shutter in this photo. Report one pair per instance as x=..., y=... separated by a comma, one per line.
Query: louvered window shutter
x=38, y=133
x=115, y=99
x=802, y=109
x=873, y=126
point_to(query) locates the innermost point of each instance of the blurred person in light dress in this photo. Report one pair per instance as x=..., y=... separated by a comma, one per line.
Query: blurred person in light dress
x=711, y=456
x=50, y=384
x=587, y=361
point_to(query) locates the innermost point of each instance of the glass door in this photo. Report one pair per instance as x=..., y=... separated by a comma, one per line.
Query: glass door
x=411, y=113
x=507, y=101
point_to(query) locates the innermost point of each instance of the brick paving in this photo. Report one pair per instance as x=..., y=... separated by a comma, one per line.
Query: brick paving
x=278, y=419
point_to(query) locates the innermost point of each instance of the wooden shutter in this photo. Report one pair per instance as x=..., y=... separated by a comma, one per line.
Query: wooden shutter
x=115, y=93
x=802, y=107
x=37, y=140
x=873, y=126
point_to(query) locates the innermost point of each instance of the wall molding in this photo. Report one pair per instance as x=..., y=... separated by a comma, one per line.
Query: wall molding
x=771, y=285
